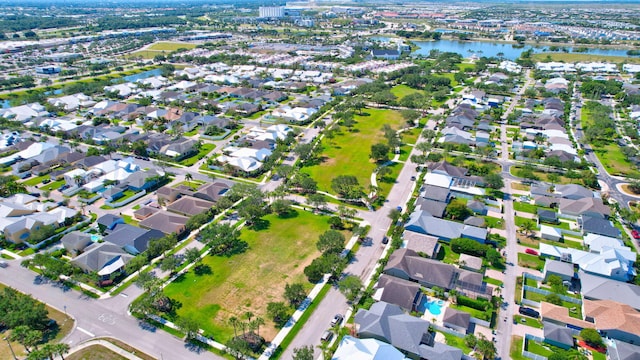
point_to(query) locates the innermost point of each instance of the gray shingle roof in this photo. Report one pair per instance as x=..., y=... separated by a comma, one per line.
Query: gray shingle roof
x=558, y=333
x=399, y=292
x=76, y=240
x=99, y=255
x=457, y=318
x=125, y=235
x=435, y=193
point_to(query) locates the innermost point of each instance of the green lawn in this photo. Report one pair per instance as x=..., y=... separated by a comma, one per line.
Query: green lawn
x=170, y=46
x=95, y=352
x=515, y=351
x=348, y=153
x=456, y=342
x=577, y=313
x=35, y=180
x=401, y=91
x=447, y=255
x=540, y=349
x=530, y=261
x=614, y=161
x=525, y=207
x=53, y=185
x=247, y=282
x=528, y=321
x=411, y=136
x=576, y=57
x=492, y=281
x=204, y=150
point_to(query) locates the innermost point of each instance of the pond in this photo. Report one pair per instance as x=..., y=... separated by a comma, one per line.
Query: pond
x=489, y=49
x=142, y=75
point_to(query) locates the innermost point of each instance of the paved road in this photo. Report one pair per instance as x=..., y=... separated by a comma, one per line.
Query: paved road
x=96, y=318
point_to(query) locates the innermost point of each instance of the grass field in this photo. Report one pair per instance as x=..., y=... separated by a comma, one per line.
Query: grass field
x=530, y=261
x=614, y=161
x=247, y=282
x=95, y=352
x=348, y=153
x=170, y=46
x=457, y=342
x=400, y=91
x=528, y=321
x=515, y=351
x=204, y=150
x=576, y=57
x=545, y=176
x=35, y=180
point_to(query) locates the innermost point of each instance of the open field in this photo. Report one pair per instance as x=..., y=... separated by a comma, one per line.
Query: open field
x=614, y=161
x=576, y=57
x=170, y=46
x=348, y=153
x=400, y=91
x=277, y=255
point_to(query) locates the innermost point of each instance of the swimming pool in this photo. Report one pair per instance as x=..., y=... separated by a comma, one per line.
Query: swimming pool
x=433, y=306
x=95, y=238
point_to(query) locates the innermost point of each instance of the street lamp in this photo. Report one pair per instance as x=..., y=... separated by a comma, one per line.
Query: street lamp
x=10, y=348
x=65, y=310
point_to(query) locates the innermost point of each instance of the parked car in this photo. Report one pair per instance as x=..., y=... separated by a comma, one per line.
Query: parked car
x=531, y=252
x=3, y=264
x=385, y=240
x=413, y=178
x=326, y=336
x=635, y=234
x=336, y=320
x=529, y=312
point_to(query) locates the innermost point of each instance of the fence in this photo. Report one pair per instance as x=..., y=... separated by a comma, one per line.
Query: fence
x=572, y=233
x=71, y=191
x=530, y=303
x=480, y=322
x=447, y=330
x=127, y=200
x=528, y=354
x=90, y=200
x=545, y=292
x=216, y=137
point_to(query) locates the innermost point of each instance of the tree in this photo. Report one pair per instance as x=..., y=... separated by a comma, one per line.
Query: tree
x=350, y=286
x=281, y=206
x=494, y=181
x=470, y=341
x=279, y=313
x=591, y=337
x=379, y=152
x=188, y=326
x=394, y=215
x=527, y=227
x=494, y=257
x=223, y=239
x=238, y=348
x=135, y=264
x=146, y=281
x=295, y=294
x=383, y=171
x=317, y=200
x=553, y=178
x=331, y=241
x=553, y=299
x=170, y=264
x=285, y=170
x=303, y=353
x=21, y=334
x=423, y=147
x=347, y=186
x=188, y=177
x=192, y=255
x=486, y=348
x=457, y=210
x=556, y=283
x=304, y=151
x=468, y=246
x=60, y=349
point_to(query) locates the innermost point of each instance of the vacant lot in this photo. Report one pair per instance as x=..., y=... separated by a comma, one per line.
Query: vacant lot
x=170, y=46
x=277, y=255
x=575, y=57
x=348, y=152
x=401, y=91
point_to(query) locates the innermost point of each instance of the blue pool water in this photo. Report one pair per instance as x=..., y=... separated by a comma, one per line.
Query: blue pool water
x=95, y=238
x=433, y=306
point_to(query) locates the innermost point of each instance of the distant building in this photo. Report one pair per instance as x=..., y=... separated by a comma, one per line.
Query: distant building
x=385, y=54
x=48, y=70
x=271, y=11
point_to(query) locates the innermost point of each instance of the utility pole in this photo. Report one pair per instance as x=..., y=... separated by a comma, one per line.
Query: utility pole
x=10, y=348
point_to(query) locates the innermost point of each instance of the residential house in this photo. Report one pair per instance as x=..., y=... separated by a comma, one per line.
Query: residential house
x=352, y=348
x=144, y=212
x=406, y=294
x=620, y=350
x=108, y=222
x=557, y=335
x=615, y=264
x=595, y=287
x=422, y=222
x=388, y=323
x=558, y=268
x=104, y=259
x=165, y=222
x=573, y=191
x=407, y=264
x=599, y=226
x=599, y=243
x=477, y=207
x=189, y=206
x=72, y=102
x=550, y=233
x=132, y=239
x=547, y=216
x=456, y=320
x=593, y=207
x=469, y=262
x=386, y=54
x=614, y=320
x=423, y=245
x=76, y=241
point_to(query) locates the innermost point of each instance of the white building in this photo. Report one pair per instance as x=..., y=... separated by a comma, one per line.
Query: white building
x=271, y=11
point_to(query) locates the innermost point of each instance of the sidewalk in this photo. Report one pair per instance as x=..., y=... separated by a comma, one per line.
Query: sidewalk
x=116, y=349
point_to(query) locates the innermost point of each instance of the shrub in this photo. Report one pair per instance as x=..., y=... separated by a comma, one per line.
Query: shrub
x=478, y=304
x=468, y=246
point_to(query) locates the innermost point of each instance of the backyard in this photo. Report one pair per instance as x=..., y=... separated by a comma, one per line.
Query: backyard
x=348, y=152
x=277, y=255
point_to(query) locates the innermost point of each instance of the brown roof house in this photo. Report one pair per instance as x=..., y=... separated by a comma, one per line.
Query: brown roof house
x=144, y=212
x=165, y=222
x=190, y=206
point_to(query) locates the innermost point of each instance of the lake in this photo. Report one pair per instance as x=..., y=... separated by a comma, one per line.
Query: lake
x=489, y=49
x=143, y=75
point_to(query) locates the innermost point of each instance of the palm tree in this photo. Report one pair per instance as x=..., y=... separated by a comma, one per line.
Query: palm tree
x=188, y=177
x=258, y=321
x=248, y=315
x=233, y=321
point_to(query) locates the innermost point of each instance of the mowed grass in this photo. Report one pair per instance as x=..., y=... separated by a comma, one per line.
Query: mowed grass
x=170, y=46
x=614, y=161
x=400, y=91
x=348, y=153
x=95, y=352
x=576, y=57
x=277, y=255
